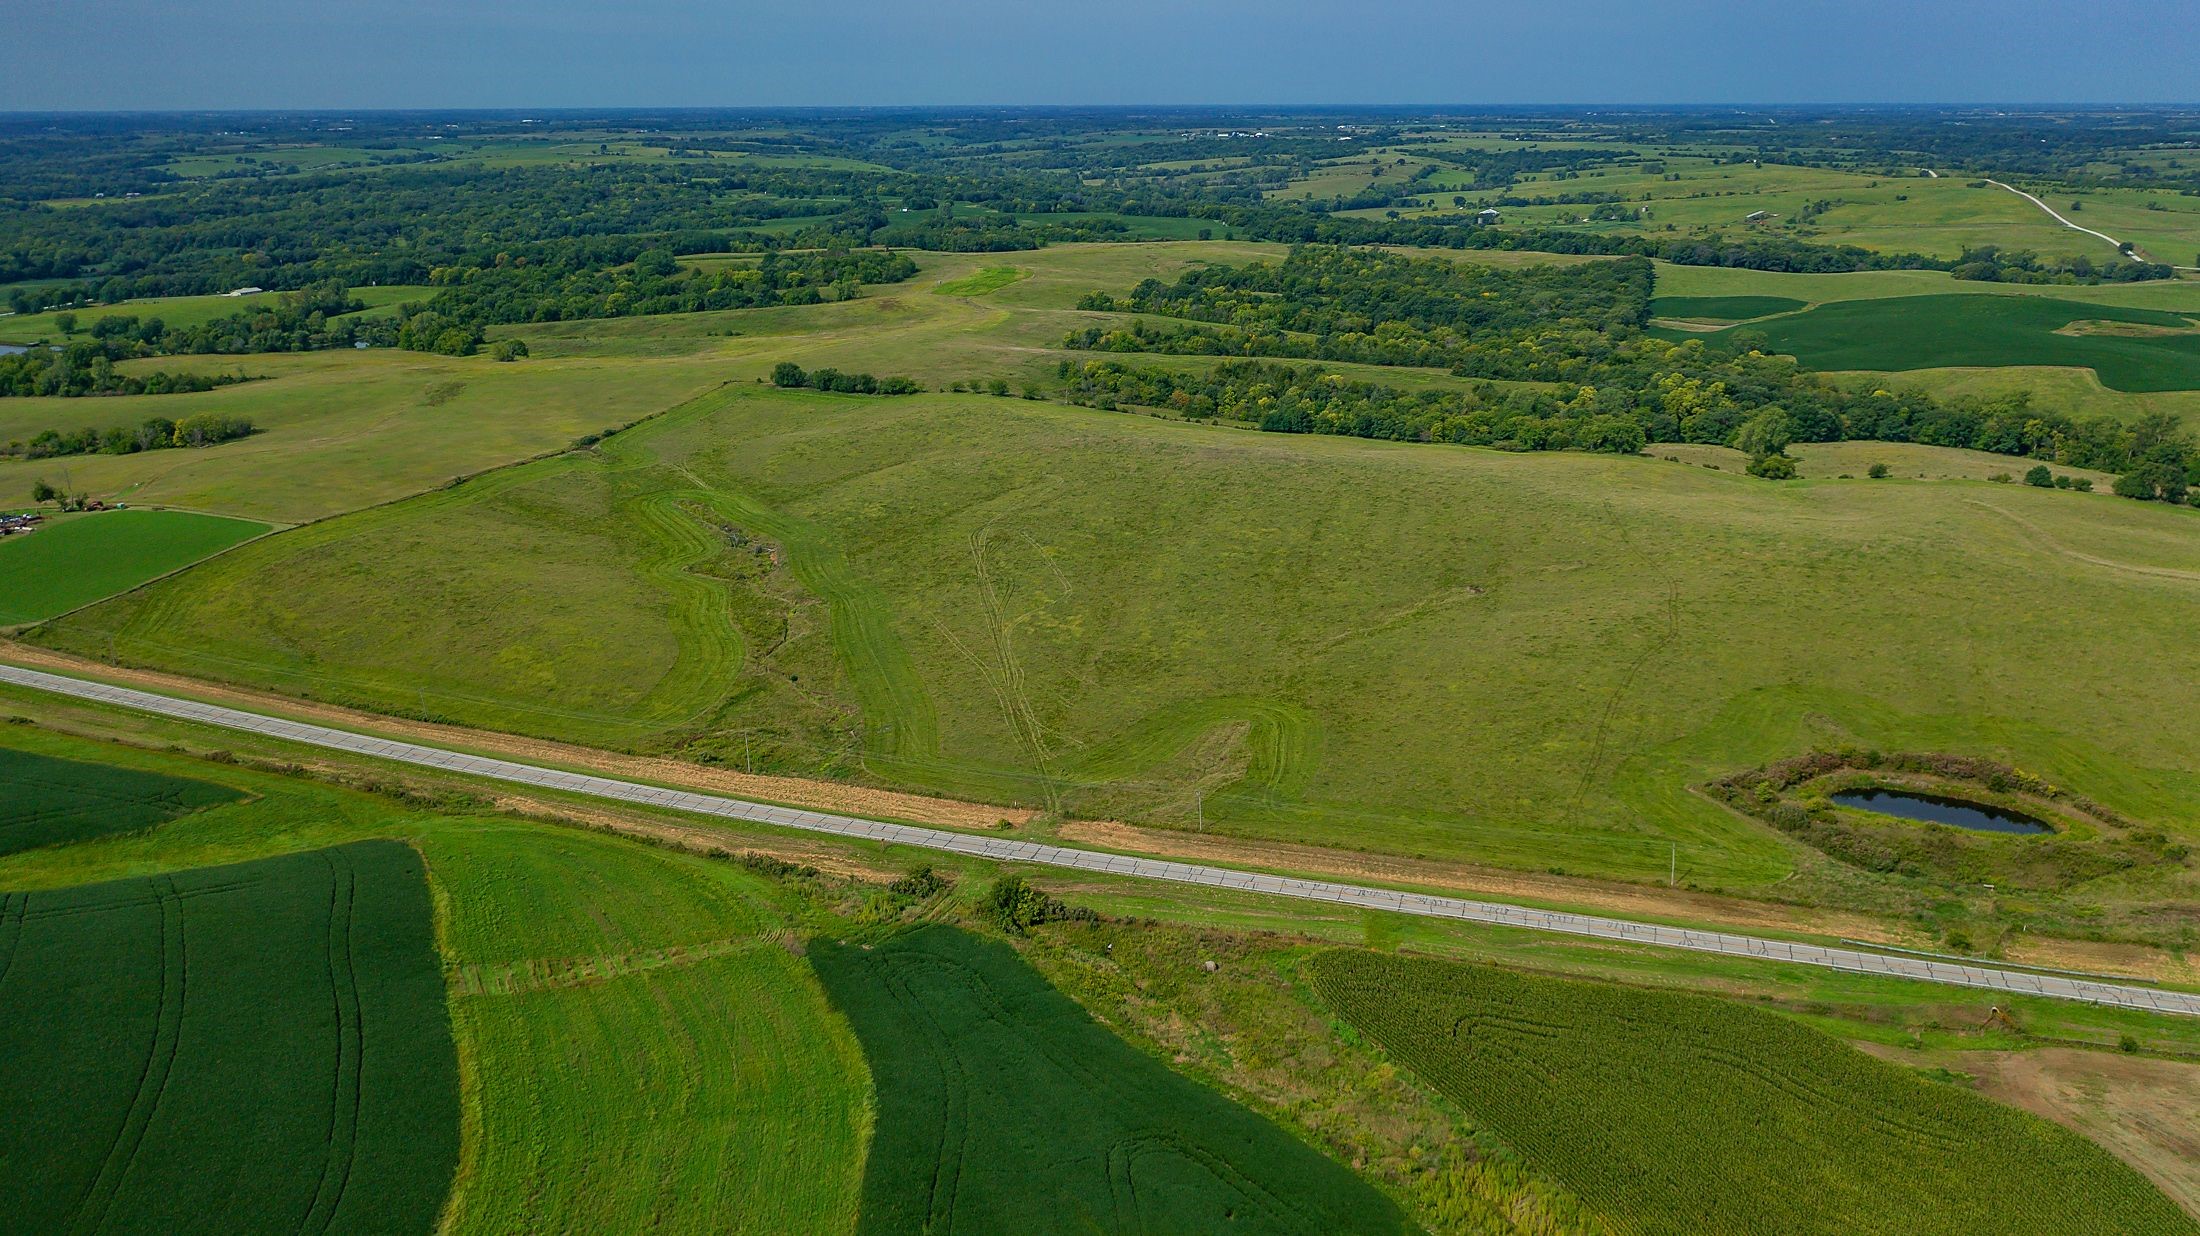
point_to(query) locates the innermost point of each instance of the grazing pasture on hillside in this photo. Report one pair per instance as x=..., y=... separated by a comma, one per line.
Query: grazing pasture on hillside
x=1397, y=647
x=53, y=801
x=76, y=560
x=1682, y=1114
x=266, y=1049
x=1003, y=1107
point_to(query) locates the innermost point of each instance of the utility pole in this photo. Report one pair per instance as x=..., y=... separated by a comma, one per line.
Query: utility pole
x=748, y=757
x=1199, y=805
x=1673, y=867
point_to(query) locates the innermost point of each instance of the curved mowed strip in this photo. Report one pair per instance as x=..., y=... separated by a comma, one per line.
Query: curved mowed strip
x=266, y=1048
x=1675, y=1113
x=1003, y=1107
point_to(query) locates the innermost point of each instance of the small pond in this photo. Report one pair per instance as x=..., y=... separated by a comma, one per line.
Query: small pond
x=12, y=349
x=1940, y=809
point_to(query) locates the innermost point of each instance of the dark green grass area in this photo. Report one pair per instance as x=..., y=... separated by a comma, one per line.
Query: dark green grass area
x=253, y=1048
x=1721, y=308
x=1674, y=1113
x=48, y=801
x=1002, y=1107
x=1930, y=332
x=79, y=560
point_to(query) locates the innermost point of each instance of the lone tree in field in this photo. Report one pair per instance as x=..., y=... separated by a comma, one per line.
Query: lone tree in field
x=2040, y=476
x=65, y=323
x=42, y=491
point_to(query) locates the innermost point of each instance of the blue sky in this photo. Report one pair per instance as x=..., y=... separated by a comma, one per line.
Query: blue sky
x=151, y=54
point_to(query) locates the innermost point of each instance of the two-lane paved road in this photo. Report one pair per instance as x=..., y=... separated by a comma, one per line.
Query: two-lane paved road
x=1004, y=849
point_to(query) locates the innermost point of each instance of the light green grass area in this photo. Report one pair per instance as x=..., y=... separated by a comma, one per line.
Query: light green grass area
x=2131, y=349
x=1002, y=1106
x=343, y=430
x=2172, y=295
x=185, y=311
x=72, y=561
x=991, y=279
x=600, y=991
x=1523, y=660
x=265, y=1047
x=1681, y=1114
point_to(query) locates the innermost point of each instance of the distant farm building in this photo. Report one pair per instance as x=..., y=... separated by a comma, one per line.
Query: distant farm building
x=1487, y=216
x=1757, y=216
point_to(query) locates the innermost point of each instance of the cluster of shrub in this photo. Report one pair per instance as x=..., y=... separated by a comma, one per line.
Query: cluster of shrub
x=155, y=433
x=1576, y=327
x=88, y=368
x=1016, y=907
x=1993, y=264
x=791, y=376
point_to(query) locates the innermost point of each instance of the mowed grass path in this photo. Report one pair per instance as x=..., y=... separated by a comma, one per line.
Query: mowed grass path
x=1684, y=1114
x=600, y=992
x=76, y=560
x=52, y=801
x=1003, y=1107
x=265, y=1048
x=1451, y=652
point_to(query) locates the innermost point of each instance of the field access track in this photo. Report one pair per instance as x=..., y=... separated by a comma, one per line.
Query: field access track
x=1003, y=849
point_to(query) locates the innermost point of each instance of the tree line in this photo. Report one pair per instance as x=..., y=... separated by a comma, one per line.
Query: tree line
x=1569, y=342
x=153, y=434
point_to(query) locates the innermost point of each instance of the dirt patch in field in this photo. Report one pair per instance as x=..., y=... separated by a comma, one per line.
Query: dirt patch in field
x=2144, y=1111
x=1623, y=899
x=795, y=791
x=829, y=857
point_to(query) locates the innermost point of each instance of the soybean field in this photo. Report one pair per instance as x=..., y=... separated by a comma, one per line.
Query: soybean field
x=1676, y=1113
x=53, y=801
x=1003, y=1107
x=266, y=1050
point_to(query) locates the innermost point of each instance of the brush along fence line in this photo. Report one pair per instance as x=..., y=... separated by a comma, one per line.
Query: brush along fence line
x=1002, y=849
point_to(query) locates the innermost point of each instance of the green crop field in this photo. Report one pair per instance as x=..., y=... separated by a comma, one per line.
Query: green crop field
x=266, y=1048
x=2131, y=349
x=52, y=801
x=76, y=560
x=598, y=989
x=1002, y=1106
x=1722, y=308
x=1680, y=1114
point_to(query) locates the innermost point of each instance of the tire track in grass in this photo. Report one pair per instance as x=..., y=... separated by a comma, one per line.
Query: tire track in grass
x=99, y=1196
x=12, y=906
x=343, y=976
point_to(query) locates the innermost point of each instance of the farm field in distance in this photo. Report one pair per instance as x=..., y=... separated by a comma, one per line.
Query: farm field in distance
x=1757, y=520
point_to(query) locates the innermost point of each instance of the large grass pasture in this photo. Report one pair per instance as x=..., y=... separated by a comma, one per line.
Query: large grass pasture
x=76, y=560
x=54, y=801
x=1674, y=1113
x=1524, y=660
x=259, y=1047
x=1002, y=1106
